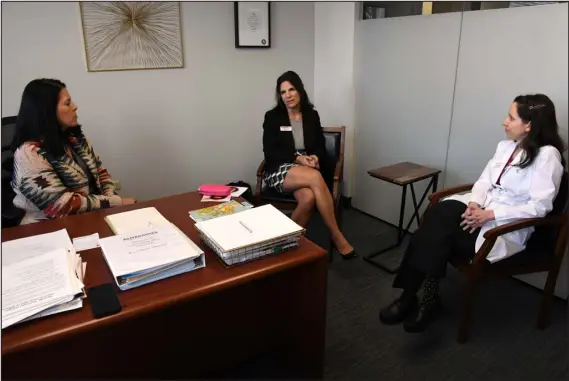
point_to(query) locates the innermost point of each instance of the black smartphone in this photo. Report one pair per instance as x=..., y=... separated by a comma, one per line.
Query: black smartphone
x=104, y=300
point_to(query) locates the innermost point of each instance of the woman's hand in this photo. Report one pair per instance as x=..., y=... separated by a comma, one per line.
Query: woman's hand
x=467, y=215
x=128, y=201
x=314, y=162
x=303, y=160
x=472, y=205
x=476, y=218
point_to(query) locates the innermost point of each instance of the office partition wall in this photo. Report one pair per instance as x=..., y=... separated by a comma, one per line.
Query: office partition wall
x=405, y=73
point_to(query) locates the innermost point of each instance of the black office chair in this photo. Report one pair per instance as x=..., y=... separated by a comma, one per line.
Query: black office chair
x=333, y=175
x=11, y=216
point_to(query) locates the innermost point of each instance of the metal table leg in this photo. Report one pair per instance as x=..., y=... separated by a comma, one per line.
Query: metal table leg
x=401, y=233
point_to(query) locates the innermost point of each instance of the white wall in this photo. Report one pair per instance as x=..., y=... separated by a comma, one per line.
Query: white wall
x=166, y=131
x=334, y=95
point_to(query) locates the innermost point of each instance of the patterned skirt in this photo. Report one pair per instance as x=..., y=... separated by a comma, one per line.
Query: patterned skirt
x=276, y=179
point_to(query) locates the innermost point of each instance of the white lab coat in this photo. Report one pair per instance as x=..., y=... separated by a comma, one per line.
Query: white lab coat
x=523, y=193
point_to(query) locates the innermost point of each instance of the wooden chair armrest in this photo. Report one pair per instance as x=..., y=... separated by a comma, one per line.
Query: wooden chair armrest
x=335, y=190
x=338, y=174
x=338, y=171
x=260, y=169
x=492, y=235
x=522, y=224
x=259, y=179
x=435, y=197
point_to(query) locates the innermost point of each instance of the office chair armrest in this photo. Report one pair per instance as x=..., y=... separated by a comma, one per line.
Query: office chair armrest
x=11, y=216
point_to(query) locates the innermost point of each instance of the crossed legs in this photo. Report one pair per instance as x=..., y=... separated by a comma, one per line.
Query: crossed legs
x=305, y=206
x=310, y=189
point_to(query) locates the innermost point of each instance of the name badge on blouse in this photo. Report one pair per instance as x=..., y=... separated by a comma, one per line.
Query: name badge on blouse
x=286, y=128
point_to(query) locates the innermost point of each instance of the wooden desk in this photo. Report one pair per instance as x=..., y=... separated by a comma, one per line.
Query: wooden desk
x=194, y=325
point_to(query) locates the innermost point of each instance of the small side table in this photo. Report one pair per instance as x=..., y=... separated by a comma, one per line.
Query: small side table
x=404, y=174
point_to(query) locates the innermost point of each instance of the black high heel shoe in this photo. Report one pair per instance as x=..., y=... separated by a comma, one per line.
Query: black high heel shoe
x=350, y=255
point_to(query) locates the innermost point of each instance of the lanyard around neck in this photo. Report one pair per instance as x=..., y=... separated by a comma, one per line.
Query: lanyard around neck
x=507, y=164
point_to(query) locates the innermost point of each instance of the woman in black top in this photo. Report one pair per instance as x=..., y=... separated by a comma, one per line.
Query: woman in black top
x=294, y=146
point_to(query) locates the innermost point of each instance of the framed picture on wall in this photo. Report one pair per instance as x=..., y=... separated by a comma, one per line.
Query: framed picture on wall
x=252, y=24
x=120, y=35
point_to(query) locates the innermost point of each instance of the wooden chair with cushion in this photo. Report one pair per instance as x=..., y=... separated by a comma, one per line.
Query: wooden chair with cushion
x=335, y=140
x=544, y=253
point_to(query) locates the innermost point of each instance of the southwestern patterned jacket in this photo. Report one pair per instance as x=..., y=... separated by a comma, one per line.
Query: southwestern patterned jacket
x=49, y=187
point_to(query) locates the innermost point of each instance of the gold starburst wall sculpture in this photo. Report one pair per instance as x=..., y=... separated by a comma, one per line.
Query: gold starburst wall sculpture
x=131, y=35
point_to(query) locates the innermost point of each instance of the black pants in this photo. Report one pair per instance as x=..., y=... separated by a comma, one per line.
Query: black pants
x=439, y=239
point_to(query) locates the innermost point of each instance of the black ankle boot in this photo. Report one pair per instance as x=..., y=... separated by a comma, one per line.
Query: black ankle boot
x=396, y=312
x=423, y=316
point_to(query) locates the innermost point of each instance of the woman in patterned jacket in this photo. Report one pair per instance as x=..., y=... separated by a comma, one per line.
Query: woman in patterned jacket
x=56, y=171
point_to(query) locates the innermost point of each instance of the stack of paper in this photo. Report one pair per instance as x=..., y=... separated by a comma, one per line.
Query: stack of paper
x=147, y=255
x=147, y=248
x=250, y=234
x=41, y=275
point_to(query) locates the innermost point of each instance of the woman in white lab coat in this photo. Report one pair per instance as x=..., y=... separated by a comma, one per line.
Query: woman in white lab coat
x=520, y=181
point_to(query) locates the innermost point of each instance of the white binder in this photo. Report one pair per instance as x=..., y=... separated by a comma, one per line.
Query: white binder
x=147, y=255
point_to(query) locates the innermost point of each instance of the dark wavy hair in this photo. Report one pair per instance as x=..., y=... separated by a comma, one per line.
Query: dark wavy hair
x=539, y=111
x=37, y=118
x=296, y=82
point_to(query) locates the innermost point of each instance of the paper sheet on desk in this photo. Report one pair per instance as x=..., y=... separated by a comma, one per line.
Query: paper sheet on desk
x=80, y=270
x=21, y=249
x=238, y=191
x=74, y=304
x=34, y=285
x=87, y=242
